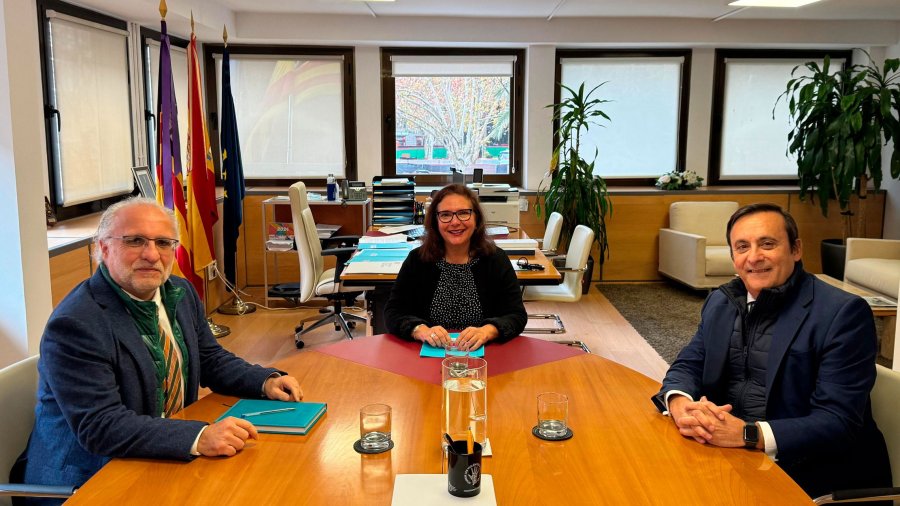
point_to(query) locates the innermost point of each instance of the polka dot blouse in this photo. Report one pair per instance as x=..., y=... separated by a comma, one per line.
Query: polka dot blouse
x=456, y=304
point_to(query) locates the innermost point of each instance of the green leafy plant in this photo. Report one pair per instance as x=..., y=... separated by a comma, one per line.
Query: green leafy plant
x=842, y=121
x=570, y=187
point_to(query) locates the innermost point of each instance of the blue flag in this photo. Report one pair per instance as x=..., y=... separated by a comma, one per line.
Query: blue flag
x=232, y=173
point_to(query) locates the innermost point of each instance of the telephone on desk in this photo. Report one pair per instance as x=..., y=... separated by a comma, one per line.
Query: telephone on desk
x=353, y=190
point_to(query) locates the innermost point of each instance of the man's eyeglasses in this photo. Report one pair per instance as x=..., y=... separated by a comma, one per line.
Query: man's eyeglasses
x=139, y=241
x=525, y=266
x=462, y=214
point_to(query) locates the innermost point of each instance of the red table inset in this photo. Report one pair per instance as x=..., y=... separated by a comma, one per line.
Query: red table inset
x=390, y=353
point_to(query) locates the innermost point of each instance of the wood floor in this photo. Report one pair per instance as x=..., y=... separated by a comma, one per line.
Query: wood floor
x=265, y=336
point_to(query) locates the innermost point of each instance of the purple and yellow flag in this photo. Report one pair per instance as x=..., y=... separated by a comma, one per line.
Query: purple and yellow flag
x=169, y=179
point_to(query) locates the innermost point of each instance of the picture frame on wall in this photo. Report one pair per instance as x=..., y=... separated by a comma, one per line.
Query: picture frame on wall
x=144, y=180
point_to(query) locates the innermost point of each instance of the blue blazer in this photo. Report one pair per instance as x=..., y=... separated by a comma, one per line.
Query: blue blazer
x=96, y=395
x=820, y=370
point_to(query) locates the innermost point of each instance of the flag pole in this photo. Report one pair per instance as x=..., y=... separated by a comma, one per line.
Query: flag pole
x=232, y=174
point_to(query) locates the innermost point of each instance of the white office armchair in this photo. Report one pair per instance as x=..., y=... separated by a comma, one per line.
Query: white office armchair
x=570, y=289
x=884, y=409
x=315, y=281
x=694, y=249
x=18, y=386
x=552, y=231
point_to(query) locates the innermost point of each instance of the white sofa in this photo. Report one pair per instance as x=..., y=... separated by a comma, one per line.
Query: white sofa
x=873, y=264
x=694, y=250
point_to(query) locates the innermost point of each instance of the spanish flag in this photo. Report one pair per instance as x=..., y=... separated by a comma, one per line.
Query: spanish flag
x=196, y=249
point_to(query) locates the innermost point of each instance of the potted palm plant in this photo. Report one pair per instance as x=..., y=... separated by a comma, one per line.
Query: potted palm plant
x=842, y=121
x=570, y=187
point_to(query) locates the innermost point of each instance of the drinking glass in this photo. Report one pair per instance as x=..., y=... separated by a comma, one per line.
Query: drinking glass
x=553, y=414
x=464, y=403
x=375, y=427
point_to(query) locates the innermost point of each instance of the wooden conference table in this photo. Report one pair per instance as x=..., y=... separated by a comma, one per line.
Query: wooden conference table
x=623, y=451
x=382, y=283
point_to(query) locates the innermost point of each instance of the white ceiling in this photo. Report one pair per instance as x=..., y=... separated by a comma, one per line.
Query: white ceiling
x=874, y=10
x=215, y=13
x=880, y=10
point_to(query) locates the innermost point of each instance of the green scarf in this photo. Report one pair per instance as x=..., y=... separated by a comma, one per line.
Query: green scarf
x=146, y=318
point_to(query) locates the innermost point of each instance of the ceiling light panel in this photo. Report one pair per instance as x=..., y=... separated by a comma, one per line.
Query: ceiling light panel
x=772, y=3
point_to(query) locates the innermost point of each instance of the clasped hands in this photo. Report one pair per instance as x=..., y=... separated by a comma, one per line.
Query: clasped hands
x=706, y=422
x=229, y=436
x=470, y=338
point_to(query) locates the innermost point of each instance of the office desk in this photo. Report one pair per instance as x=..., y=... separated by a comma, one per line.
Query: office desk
x=623, y=451
x=378, y=297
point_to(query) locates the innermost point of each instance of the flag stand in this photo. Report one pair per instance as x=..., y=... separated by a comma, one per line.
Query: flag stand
x=236, y=307
x=218, y=331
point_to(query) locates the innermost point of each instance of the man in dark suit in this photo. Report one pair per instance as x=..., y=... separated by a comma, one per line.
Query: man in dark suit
x=781, y=362
x=125, y=351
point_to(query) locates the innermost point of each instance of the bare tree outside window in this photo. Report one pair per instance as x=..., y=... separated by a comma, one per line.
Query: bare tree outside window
x=460, y=122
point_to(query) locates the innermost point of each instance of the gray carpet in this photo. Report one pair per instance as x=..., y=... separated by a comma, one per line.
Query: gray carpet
x=664, y=314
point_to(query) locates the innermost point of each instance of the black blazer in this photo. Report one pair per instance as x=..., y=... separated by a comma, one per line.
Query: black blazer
x=496, y=282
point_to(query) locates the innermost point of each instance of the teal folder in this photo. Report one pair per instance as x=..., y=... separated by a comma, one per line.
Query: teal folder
x=434, y=352
x=299, y=420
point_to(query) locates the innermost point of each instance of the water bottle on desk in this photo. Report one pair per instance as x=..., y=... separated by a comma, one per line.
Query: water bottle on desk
x=332, y=188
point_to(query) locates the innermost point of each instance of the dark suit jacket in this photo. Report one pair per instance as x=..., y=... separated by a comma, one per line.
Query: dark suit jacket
x=97, y=389
x=496, y=282
x=820, y=370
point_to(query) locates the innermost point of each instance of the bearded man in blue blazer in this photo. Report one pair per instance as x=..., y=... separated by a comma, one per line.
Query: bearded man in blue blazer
x=782, y=362
x=127, y=349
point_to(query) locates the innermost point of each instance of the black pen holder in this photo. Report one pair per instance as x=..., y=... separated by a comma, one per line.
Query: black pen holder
x=464, y=470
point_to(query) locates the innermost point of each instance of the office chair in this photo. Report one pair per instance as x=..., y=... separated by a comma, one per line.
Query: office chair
x=570, y=289
x=551, y=234
x=315, y=281
x=884, y=409
x=18, y=387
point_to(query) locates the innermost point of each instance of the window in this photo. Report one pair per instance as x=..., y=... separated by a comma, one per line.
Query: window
x=179, y=56
x=648, y=102
x=452, y=109
x=748, y=143
x=87, y=100
x=294, y=108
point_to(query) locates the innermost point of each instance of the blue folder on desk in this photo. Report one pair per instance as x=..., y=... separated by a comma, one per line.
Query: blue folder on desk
x=302, y=417
x=380, y=255
x=435, y=352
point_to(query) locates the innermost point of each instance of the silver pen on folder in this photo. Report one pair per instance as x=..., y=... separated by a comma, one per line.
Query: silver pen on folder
x=267, y=412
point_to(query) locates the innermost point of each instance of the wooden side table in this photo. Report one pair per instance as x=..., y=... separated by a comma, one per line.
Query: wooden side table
x=889, y=314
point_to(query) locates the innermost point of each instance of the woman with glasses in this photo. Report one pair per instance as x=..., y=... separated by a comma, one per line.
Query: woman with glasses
x=457, y=281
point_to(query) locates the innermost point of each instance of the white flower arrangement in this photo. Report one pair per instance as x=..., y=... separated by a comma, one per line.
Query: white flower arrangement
x=687, y=180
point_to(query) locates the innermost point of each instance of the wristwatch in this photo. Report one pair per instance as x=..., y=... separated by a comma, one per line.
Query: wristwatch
x=751, y=435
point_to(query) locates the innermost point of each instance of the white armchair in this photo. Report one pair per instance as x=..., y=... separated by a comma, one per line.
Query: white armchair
x=873, y=264
x=694, y=249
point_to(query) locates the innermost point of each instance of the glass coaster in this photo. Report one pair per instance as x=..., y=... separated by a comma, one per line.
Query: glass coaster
x=357, y=445
x=567, y=435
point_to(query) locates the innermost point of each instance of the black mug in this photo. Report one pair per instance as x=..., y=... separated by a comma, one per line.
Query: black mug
x=464, y=470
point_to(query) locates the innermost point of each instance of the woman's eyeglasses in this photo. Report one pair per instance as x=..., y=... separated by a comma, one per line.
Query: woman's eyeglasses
x=462, y=214
x=139, y=241
x=525, y=266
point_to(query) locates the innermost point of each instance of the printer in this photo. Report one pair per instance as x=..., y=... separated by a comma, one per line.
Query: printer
x=500, y=203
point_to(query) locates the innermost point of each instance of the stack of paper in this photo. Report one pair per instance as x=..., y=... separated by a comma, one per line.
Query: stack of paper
x=517, y=246
x=389, y=267
x=418, y=489
x=383, y=239
x=398, y=229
